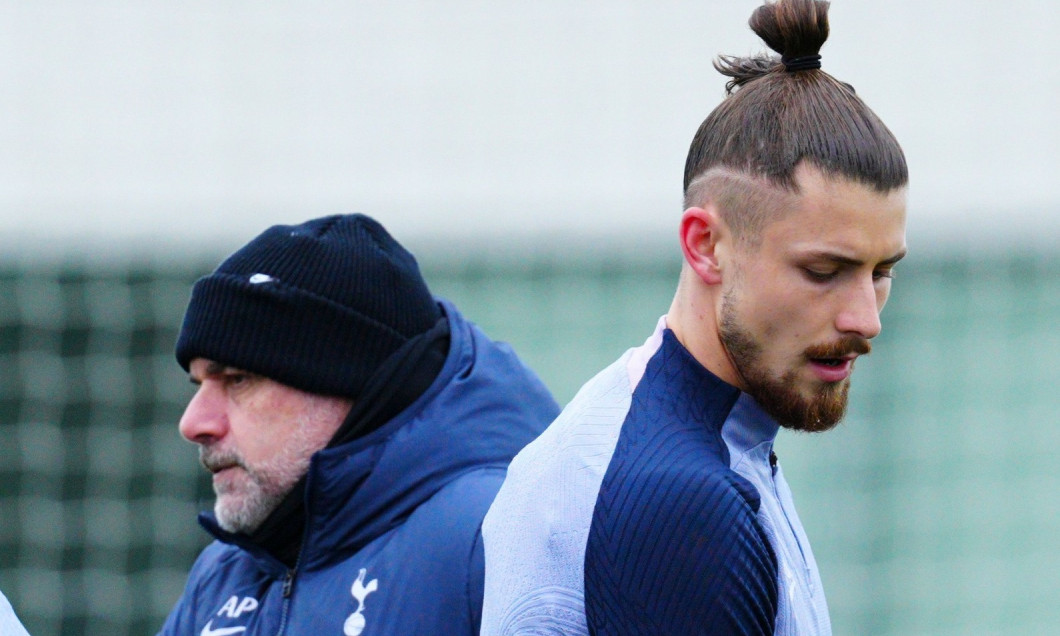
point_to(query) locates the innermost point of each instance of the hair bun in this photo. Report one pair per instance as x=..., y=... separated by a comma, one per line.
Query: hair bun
x=797, y=29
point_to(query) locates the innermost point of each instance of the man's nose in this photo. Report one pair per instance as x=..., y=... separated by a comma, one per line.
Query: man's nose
x=860, y=313
x=204, y=418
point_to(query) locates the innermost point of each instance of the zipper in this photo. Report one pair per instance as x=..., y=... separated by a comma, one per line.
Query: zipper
x=791, y=528
x=288, y=580
x=288, y=588
x=288, y=583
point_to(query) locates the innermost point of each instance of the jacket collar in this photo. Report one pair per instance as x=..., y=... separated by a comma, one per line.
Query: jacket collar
x=480, y=410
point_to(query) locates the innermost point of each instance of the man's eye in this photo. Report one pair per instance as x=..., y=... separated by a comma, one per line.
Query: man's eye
x=818, y=276
x=235, y=379
x=883, y=273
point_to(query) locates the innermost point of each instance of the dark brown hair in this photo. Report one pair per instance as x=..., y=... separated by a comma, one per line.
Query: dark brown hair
x=773, y=118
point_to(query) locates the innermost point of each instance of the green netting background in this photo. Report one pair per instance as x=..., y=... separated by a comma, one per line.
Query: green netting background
x=935, y=509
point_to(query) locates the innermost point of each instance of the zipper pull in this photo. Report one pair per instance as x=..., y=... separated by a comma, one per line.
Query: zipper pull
x=288, y=583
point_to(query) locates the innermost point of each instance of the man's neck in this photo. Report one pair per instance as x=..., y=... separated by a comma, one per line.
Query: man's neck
x=693, y=319
x=281, y=533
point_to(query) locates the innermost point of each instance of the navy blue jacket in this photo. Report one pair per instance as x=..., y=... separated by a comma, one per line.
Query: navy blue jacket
x=392, y=542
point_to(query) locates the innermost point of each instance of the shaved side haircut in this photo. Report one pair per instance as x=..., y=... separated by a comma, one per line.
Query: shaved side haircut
x=780, y=111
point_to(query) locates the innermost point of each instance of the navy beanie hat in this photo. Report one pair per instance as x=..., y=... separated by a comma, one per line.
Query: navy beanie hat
x=317, y=306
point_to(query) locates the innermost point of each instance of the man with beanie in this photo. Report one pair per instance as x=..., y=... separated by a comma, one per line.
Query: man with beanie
x=357, y=430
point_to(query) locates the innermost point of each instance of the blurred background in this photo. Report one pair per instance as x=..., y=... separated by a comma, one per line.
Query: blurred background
x=531, y=155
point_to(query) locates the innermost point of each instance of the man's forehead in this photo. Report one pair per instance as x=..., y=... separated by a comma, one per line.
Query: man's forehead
x=856, y=226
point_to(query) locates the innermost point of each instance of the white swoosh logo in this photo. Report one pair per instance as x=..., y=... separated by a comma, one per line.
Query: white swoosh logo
x=220, y=631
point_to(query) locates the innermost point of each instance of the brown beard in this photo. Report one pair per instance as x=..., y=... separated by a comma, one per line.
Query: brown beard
x=778, y=396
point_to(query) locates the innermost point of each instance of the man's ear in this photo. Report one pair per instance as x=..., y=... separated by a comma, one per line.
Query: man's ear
x=701, y=231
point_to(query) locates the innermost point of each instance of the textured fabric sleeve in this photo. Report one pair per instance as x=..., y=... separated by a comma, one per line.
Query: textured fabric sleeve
x=680, y=553
x=9, y=623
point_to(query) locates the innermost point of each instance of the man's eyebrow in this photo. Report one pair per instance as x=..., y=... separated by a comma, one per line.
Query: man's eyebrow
x=212, y=368
x=899, y=255
x=215, y=368
x=854, y=262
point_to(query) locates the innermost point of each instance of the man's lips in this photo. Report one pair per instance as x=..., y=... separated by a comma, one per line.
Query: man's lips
x=835, y=362
x=833, y=369
x=220, y=469
x=220, y=463
x=226, y=477
x=217, y=462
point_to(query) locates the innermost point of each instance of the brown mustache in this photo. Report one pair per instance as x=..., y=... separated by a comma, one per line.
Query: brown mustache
x=846, y=346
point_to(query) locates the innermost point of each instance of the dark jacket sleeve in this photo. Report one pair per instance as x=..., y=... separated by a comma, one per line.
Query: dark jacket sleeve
x=181, y=619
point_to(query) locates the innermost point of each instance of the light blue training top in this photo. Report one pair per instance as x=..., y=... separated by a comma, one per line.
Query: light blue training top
x=652, y=505
x=9, y=624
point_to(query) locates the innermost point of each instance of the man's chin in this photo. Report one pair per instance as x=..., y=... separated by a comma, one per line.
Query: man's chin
x=817, y=425
x=237, y=515
x=229, y=480
x=821, y=411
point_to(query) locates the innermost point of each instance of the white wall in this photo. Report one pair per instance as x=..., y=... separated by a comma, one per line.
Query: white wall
x=204, y=121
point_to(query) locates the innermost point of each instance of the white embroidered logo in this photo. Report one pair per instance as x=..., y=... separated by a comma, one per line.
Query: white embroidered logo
x=220, y=631
x=354, y=624
x=258, y=279
x=234, y=607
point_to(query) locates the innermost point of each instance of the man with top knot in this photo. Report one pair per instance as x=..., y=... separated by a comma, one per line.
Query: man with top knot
x=655, y=504
x=357, y=429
